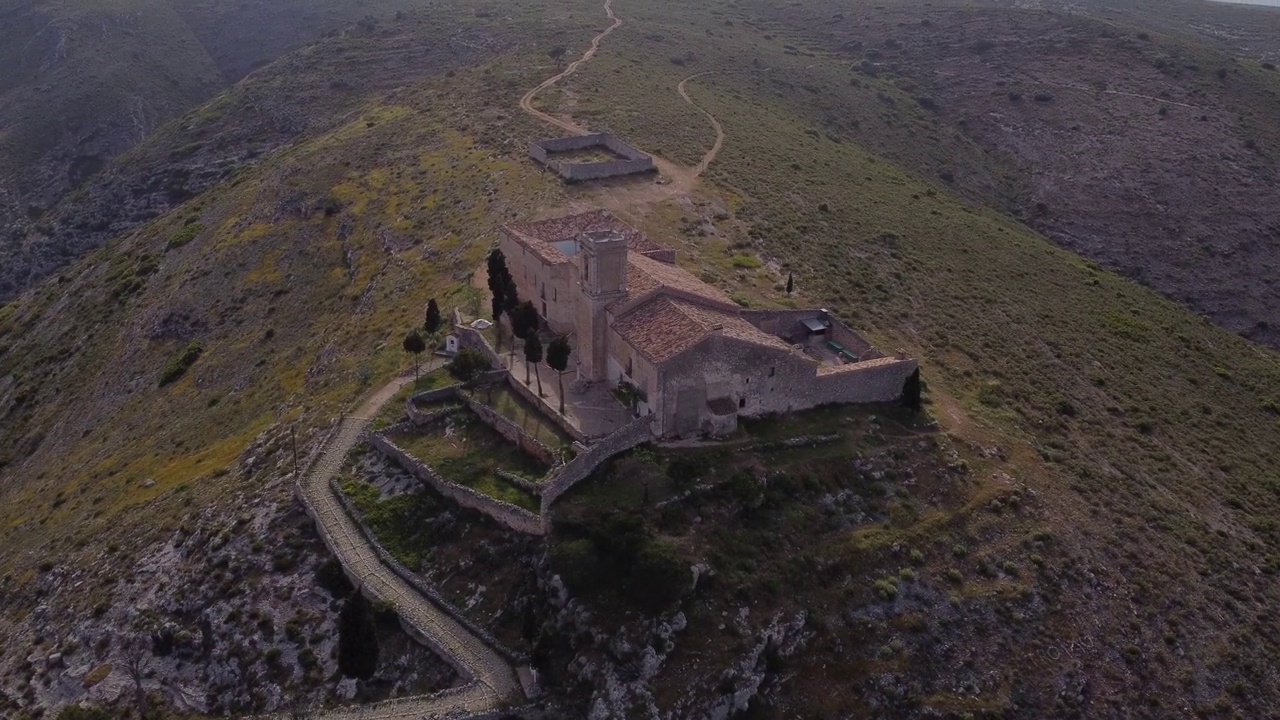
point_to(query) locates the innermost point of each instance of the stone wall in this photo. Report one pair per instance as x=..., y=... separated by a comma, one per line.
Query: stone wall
x=426, y=589
x=469, y=337
x=879, y=380
x=511, y=431
x=630, y=159
x=549, y=412
x=516, y=518
x=419, y=417
x=628, y=436
x=786, y=324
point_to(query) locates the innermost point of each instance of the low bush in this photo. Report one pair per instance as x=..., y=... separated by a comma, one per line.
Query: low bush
x=469, y=364
x=178, y=366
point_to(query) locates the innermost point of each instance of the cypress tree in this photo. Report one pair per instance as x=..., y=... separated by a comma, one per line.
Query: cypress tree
x=357, y=638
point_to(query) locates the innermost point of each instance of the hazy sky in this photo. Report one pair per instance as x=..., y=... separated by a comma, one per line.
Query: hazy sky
x=1274, y=3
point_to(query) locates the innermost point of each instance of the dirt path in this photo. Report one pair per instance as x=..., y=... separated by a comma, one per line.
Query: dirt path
x=491, y=682
x=526, y=102
x=683, y=89
x=678, y=180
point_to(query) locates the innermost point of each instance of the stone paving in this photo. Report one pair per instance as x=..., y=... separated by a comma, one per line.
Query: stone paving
x=491, y=682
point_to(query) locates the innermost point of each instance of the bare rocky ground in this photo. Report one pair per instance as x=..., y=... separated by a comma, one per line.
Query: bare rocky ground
x=885, y=580
x=236, y=612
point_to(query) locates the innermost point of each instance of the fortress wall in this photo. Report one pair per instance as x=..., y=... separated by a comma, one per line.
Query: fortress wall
x=878, y=380
x=509, y=515
x=786, y=324
x=854, y=342
x=634, y=433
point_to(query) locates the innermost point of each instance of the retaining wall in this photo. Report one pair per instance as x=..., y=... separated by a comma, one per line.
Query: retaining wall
x=547, y=409
x=469, y=337
x=426, y=589
x=511, y=431
x=513, y=517
x=634, y=433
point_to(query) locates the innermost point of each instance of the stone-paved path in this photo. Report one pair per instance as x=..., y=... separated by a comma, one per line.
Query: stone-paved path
x=491, y=682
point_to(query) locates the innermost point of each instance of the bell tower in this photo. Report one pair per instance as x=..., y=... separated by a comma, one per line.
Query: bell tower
x=602, y=279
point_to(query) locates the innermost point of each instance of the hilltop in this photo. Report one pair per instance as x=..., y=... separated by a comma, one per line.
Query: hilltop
x=348, y=182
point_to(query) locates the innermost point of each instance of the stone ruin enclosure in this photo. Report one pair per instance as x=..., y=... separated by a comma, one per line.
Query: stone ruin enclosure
x=627, y=159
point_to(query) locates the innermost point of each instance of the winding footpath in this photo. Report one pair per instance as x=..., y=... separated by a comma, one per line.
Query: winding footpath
x=683, y=89
x=490, y=681
x=526, y=102
x=682, y=178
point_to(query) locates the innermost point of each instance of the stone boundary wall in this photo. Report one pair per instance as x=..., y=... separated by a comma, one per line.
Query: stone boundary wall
x=428, y=396
x=509, y=515
x=879, y=380
x=634, y=433
x=547, y=410
x=786, y=324
x=632, y=160
x=511, y=431
x=853, y=342
x=521, y=482
x=469, y=337
x=418, y=418
x=419, y=584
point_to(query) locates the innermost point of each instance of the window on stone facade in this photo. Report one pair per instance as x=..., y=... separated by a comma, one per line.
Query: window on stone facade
x=629, y=359
x=771, y=371
x=742, y=402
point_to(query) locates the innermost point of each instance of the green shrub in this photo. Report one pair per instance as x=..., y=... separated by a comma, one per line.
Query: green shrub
x=662, y=575
x=577, y=563
x=746, y=262
x=178, y=366
x=184, y=236
x=469, y=364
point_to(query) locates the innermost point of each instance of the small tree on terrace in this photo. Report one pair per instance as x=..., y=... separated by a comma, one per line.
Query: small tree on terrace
x=533, y=354
x=434, y=319
x=524, y=322
x=558, y=360
x=432, y=325
x=413, y=343
x=791, y=283
x=498, y=306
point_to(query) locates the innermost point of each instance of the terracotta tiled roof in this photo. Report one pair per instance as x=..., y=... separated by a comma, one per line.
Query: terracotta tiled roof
x=664, y=327
x=539, y=236
x=659, y=331
x=646, y=274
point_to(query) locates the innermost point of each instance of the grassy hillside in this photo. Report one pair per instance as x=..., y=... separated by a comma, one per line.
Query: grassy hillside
x=1154, y=433
x=1148, y=437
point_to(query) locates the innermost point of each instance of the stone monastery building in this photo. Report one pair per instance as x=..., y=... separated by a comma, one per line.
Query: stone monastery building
x=696, y=360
